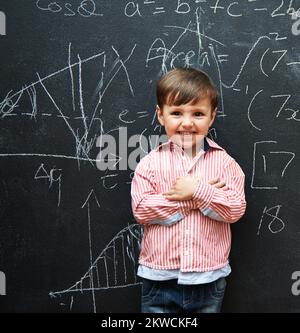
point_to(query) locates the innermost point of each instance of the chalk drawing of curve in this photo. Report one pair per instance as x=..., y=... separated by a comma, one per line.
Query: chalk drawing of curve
x=115, y=267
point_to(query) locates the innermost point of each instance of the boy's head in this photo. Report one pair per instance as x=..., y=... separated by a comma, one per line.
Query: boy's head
x=185, y=86
x=187, y=105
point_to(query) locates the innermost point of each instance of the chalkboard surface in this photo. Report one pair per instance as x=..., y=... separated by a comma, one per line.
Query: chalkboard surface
x=77, y=101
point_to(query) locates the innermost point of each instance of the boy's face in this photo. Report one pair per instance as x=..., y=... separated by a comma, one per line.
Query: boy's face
x=186, y=125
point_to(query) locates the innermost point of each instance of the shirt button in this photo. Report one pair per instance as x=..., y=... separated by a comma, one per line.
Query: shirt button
x=186, y=253
x=187, y=232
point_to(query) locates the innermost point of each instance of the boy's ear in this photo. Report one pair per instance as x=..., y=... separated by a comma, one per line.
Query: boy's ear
x=213, y=116
x=160, y=115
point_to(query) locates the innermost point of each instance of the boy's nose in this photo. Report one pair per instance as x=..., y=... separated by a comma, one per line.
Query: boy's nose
x=187, y=123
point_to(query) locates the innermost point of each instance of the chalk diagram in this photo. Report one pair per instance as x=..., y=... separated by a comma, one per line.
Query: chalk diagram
x=115, y=267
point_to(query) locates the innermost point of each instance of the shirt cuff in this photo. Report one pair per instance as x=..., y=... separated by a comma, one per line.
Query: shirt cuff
x=169, y=221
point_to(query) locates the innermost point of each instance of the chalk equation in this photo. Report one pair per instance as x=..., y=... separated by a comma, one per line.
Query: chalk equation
x=146, y=8
x=85, y=8
x=284, y=107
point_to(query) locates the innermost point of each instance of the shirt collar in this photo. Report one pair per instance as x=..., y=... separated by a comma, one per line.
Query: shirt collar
x=211, y=144
x=208, y=144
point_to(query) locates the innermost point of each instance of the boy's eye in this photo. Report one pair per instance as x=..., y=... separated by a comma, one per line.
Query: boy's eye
x=198, y=114
x=175, y=113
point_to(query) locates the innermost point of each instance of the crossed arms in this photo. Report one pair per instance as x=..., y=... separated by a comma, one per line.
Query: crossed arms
x=222, y=200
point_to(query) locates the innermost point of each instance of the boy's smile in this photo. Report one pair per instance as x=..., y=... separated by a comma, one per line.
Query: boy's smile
x=186, y=125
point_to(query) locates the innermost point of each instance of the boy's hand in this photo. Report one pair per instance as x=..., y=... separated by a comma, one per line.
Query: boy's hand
x=184, y=187
x=216, y=182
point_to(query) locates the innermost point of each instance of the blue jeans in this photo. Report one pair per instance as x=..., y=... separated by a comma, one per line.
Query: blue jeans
x=170, y=297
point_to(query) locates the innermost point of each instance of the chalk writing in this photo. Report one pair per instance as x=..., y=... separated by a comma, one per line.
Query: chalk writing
x=269, y=166
x=86, y=8
x=280, y=109
x=276, y=224
x=54, y=175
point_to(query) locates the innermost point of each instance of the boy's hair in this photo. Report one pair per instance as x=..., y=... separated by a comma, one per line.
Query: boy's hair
x=185, y=85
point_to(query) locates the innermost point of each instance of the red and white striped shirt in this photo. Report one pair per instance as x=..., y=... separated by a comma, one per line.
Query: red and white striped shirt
x=191, y=235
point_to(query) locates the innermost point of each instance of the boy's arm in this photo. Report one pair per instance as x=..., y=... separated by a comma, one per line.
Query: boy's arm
x=224, y=205
x=150, y=207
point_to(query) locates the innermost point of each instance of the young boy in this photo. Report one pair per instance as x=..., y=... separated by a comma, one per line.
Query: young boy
x=186, y=193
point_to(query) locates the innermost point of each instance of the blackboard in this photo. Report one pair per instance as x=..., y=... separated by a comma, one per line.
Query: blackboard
x=77, y=77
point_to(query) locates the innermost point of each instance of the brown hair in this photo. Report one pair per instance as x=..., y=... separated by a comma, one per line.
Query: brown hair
x=185, y=85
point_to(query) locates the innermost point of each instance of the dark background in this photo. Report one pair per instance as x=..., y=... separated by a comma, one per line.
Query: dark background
x=68, y=242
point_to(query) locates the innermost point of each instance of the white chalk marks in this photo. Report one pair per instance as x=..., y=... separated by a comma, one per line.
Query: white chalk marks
x=270, y=218
x=53, y=176
x=269, y=165
x=114, y=267
x=79, y=121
